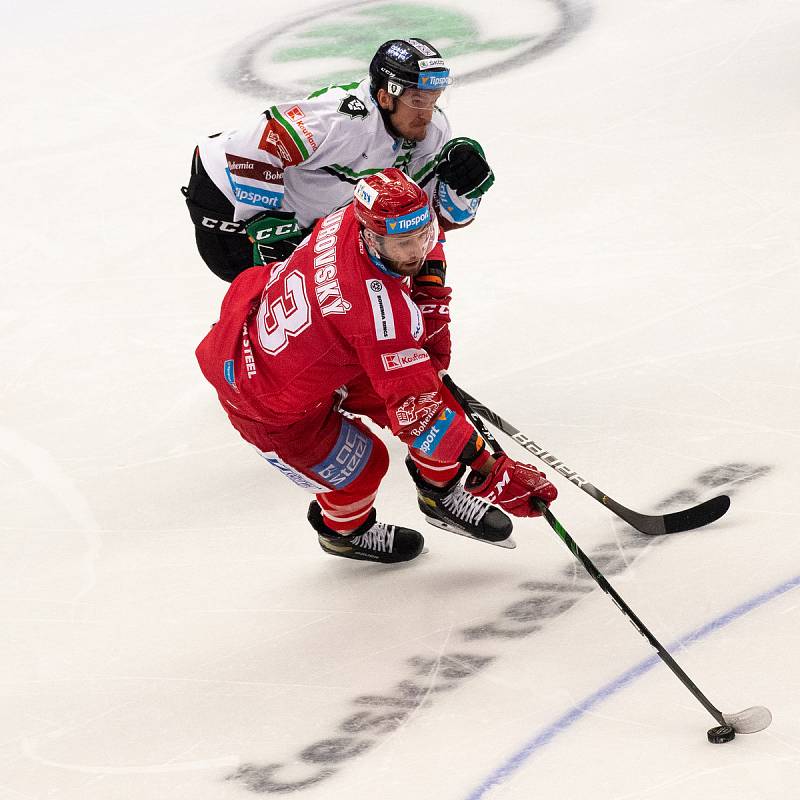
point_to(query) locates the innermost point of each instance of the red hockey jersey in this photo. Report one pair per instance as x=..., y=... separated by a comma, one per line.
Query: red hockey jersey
x=291, y=333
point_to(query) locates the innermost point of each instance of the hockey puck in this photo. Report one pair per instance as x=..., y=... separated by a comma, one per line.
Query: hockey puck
x=720, y=735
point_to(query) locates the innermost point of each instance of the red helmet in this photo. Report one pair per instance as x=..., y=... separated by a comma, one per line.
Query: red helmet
x=389, y=203
x=398, y=224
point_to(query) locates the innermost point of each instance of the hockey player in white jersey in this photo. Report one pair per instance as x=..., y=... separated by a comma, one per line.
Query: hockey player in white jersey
x=255, y=192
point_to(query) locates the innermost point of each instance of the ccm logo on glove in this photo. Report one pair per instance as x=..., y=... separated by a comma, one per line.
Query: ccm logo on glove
x=513, y=487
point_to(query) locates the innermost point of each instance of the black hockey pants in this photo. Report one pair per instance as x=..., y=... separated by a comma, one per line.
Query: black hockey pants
x=221, y=242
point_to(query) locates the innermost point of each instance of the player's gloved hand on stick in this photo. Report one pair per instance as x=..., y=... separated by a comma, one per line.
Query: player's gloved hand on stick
x=463, y=167
x=513, y=487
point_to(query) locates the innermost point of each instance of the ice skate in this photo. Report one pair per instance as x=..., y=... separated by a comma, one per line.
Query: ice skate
x=372, y=541
x=452, y=508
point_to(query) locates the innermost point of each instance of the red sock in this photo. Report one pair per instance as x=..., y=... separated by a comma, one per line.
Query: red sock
x=434, y=471
x=345, y=518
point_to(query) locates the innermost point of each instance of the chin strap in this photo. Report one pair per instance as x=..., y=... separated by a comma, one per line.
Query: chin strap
x=377, y=260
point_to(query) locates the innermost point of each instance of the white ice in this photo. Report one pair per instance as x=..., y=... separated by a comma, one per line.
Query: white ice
x=628, y=298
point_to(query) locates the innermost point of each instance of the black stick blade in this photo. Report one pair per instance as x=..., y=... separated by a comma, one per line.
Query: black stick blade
x=658, y=524
x=697, y=516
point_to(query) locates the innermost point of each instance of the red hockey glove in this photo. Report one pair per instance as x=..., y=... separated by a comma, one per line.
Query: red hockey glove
x=434, y=301
x=513, y=486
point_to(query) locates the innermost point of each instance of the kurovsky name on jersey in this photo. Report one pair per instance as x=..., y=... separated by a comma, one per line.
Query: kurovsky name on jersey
x=326, y=283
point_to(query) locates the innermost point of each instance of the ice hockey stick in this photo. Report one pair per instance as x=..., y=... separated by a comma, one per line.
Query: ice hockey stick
x=653, y=524
x=750, y=720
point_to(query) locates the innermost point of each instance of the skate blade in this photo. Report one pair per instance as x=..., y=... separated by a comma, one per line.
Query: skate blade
x=506, y=544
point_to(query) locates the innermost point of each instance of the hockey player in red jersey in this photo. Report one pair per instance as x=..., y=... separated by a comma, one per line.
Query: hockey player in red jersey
x=306, y=346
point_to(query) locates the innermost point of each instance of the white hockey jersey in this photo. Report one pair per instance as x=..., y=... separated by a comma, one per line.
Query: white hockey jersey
x=306, y=157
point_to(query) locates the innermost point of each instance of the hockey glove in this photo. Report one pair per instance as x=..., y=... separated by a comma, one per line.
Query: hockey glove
x=434, y=303
x=513, y=486
x=274, y=234
x=463, y=167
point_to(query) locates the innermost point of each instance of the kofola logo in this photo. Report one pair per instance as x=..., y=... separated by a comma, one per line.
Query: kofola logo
x=403, y=358
x=334, y=44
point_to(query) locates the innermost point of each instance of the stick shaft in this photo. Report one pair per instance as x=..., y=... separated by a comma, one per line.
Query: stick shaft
x=595, y=573
x=603, y=583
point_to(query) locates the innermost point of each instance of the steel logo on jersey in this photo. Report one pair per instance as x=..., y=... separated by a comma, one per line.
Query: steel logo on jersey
x=409, y=222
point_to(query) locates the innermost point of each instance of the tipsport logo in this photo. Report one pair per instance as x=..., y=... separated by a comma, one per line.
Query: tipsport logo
x=256, y=197
x=430, y=439
x=253, y=195
x=334, y=44
x=434, y=80
x=409, y=222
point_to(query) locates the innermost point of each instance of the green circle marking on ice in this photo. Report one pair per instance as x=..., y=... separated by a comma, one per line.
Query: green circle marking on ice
x=335, y=43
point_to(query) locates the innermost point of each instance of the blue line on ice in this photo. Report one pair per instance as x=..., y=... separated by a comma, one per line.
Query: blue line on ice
x=566, y=720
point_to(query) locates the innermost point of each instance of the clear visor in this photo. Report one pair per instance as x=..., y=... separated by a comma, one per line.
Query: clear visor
x=424, y=98
x=405, y=252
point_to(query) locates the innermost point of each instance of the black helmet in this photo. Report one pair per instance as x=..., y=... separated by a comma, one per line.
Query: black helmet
x=402, y=63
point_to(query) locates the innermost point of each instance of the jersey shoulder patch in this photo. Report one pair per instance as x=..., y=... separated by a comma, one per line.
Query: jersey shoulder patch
x=351, y=106
x=288, y=135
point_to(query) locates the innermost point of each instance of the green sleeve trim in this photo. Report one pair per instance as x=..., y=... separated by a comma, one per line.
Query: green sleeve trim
x=284, y=123
x=461, y=140
x=483, y=188
x=348, y=87
x=352, y=173
x=425, y=170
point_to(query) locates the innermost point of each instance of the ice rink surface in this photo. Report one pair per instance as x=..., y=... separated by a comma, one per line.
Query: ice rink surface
x=628, y=298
